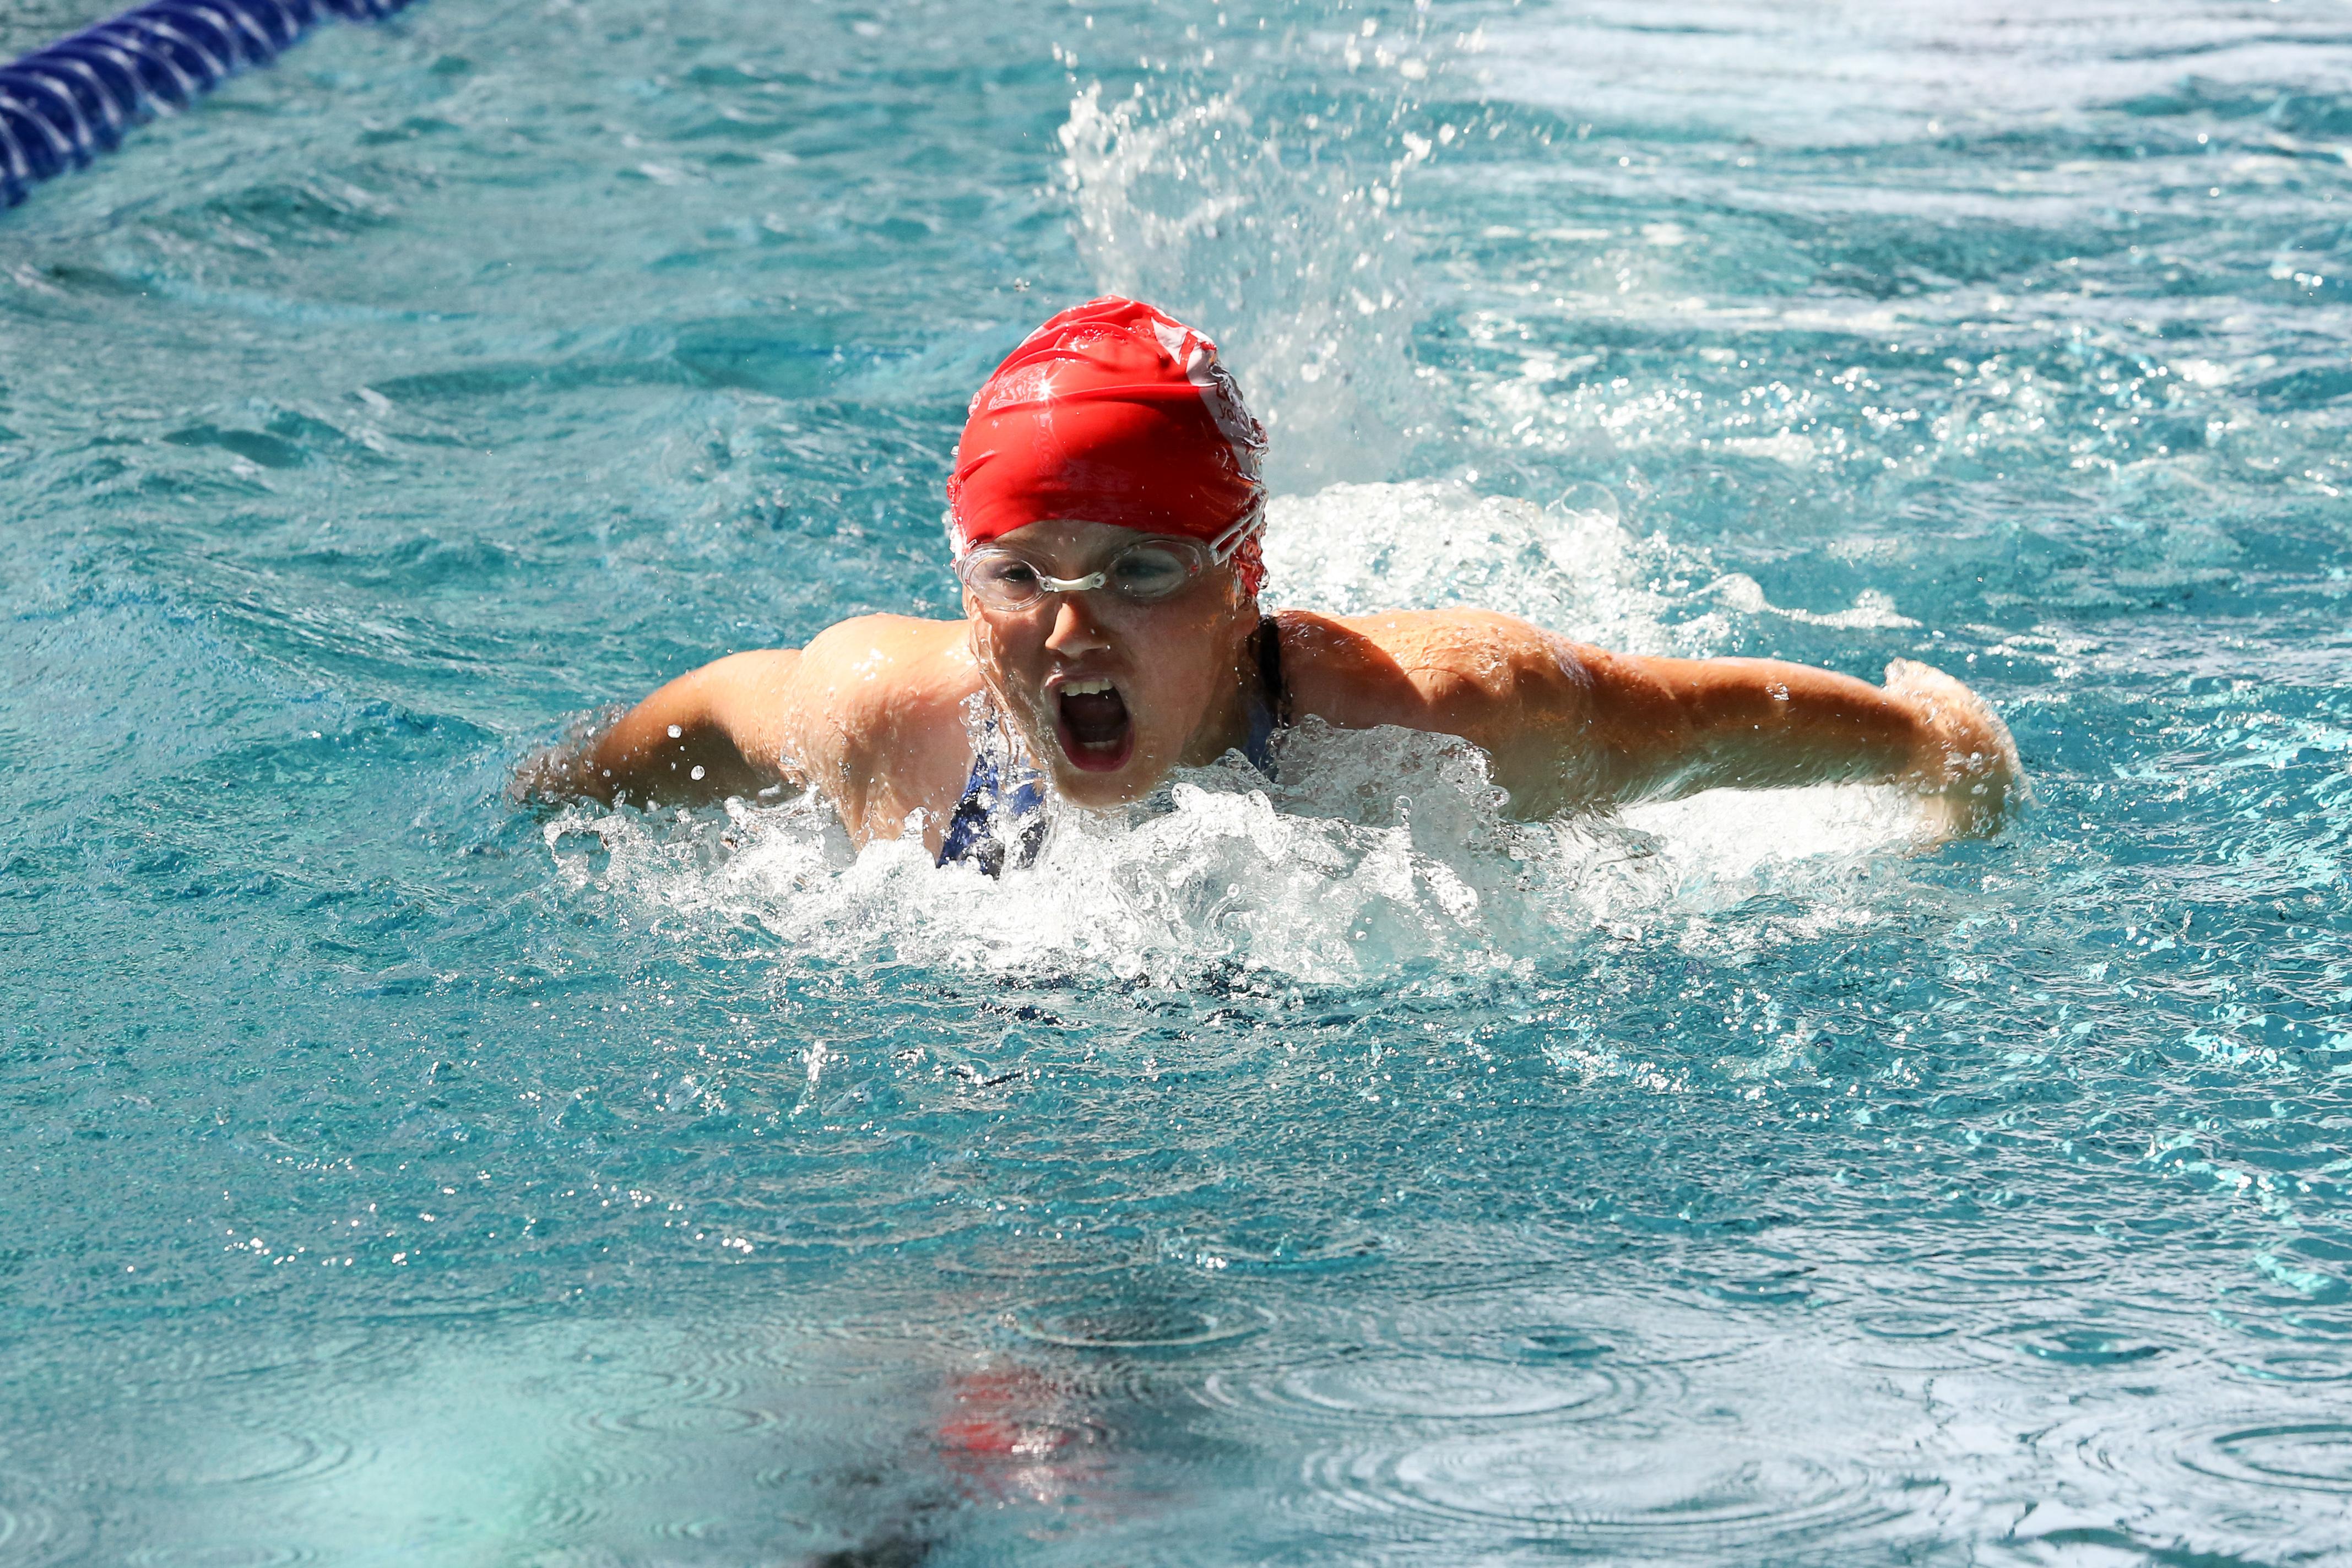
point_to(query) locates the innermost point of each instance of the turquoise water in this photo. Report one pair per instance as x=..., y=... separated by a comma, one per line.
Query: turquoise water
x=1348, y=1177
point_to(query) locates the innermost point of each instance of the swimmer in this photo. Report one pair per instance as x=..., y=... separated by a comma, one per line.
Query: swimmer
x=1105, y=515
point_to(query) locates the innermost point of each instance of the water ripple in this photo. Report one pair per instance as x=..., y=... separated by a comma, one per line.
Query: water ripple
x=1915, y=1339
x=2316, y=1458
x=1111, y=1322
x=250, y=1554
x=2084, y=1343
x=272, y=1458
x=1596, y=1491
x=1375, y=1389
x=34, y=1532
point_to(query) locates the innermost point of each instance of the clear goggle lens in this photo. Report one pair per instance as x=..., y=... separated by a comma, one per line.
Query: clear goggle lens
x=1145, y=572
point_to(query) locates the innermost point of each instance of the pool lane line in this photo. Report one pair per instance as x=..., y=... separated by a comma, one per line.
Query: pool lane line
x=63, y=106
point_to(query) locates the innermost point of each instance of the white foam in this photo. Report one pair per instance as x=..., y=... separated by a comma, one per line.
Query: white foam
x=1350, y=550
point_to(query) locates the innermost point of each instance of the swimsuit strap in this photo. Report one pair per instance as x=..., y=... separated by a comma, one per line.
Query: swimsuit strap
x=1269, y=705
x=971, y=833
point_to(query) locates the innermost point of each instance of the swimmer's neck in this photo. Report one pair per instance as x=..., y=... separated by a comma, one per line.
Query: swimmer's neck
x=1226, y=727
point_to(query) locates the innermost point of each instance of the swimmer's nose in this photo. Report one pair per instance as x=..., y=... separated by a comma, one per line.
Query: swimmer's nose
x=1074, y=630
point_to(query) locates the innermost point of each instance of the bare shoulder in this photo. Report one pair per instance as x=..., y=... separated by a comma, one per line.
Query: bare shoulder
x=1423, y=669
x=801, y=712
x=876, y=710
x=864, y=670
x=878, y=646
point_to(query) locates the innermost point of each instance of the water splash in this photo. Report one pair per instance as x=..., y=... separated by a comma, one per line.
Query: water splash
x=1273, y=216
x=1352, y=550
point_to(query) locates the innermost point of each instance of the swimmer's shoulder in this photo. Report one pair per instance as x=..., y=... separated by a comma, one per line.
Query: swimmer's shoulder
x=764, y=697
x=872, y=661
x=877, y=717
x=883, y=682
x=1418, y=668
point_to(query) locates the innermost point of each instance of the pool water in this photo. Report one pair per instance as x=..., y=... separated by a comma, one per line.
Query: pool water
x=1334, y=1173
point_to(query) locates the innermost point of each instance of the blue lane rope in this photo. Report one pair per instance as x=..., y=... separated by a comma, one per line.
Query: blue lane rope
x=62, y=107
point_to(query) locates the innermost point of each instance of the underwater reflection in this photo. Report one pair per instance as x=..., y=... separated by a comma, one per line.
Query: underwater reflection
x=1012, y=1433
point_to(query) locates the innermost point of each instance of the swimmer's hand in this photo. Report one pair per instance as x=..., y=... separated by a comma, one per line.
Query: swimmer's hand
x=1965, y=766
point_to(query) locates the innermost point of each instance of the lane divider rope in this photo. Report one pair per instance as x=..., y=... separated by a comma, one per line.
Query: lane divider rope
x=62, y=107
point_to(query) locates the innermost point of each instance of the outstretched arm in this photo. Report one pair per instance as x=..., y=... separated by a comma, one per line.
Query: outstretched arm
x=1572, y=727
x=1665, y=727
x=869, y=713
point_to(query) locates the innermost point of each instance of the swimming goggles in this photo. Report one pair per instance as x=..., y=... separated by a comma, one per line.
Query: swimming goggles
x=1145, y=572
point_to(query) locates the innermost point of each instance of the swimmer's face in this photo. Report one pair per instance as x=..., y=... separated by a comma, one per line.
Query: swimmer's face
x=1110, y=694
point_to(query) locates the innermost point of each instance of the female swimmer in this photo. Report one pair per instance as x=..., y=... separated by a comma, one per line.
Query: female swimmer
x=1104, y=514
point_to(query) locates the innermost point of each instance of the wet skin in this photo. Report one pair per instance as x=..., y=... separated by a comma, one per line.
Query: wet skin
x=875, y=712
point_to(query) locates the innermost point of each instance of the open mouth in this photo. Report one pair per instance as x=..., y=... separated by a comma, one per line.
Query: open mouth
x=1092, y=725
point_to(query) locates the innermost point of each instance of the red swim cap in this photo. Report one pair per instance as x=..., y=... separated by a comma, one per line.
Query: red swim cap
x=1111, y=413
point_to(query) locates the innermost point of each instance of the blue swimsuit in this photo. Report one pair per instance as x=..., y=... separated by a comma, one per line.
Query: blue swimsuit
x=1001, y=818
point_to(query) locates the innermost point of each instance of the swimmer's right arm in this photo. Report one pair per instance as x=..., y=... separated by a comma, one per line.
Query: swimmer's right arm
x=713, y=732
x=867, y=713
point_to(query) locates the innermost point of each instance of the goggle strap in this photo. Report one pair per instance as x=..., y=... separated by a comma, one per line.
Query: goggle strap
x=1221, y=548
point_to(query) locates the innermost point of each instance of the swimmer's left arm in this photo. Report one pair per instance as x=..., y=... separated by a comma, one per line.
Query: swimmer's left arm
x=1571, y=726
x=1653, y=728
